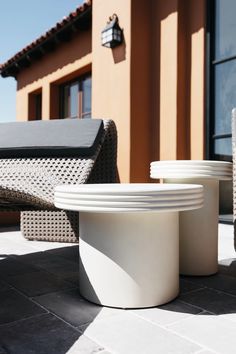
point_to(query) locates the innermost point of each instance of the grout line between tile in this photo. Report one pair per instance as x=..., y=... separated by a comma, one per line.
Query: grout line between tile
x=198, y=307
x=23, y=319
x=217, y=291
x=194, y=290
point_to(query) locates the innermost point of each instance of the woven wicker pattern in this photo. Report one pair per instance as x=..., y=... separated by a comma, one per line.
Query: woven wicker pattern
x=234, y=170
x=47, y=225
x=32, y=181
x=28, y=184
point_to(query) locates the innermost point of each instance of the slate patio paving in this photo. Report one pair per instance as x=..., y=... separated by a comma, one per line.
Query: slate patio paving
x=42, y=312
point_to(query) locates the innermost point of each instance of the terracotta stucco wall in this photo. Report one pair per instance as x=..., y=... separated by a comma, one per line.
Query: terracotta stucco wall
x=71, y=59
x=121, y=83
x=178, y=47
x=197, y=103
x=111, y=76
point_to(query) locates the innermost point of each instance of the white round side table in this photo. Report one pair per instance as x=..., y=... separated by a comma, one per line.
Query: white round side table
x=129, y=240
x=198, y=229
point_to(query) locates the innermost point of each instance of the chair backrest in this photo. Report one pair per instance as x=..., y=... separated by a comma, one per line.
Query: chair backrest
x=62, y=137
x=30, y=180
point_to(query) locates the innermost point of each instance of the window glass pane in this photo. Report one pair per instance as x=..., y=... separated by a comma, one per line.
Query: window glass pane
x=74, y=100
x=65, y=103
x=225, y=96
x=87, y=86
x=223, y=147
x=38, y=106
x=225, y=29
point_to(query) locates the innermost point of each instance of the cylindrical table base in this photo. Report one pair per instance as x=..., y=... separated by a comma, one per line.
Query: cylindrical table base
x=199, y=231
x=129, y=260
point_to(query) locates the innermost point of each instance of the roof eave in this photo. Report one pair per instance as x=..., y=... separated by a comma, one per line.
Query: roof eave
x=46, y=43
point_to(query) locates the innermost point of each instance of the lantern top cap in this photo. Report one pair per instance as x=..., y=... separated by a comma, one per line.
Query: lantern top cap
x=112, y=23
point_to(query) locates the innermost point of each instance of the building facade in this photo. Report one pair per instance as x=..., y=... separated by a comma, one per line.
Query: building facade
x=166, y=86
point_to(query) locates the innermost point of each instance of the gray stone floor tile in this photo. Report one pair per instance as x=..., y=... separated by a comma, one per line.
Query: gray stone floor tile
x=213, y=332
x=72, y=308
x=163, y=315
x=15, y=235
x=11, y=266
x=72, y=278
x=14, y=307
x=186, y=285
x=84, y=345
x=59, y=266
x=218, y=282
x=127, y=333
x=206, y=351
x=70, y=252
x=9, y=234
x=228, y=267
x=211, y=300
x=4, y=286
x=65, y=270
x=44, y=246
x=10, y=247
x=43, y=334
x=38, y=259
x=38, y=283
x=177, y=327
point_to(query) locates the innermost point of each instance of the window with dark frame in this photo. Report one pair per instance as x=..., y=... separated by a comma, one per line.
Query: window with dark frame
x=35, y=105
x=38, y=106
x=75, y=98
x=222, y=77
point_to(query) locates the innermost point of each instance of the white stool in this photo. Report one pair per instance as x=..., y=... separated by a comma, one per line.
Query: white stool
x=129, y=244
x=198, y=230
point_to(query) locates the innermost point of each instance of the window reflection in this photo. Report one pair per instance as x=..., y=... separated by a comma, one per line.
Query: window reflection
x=76, y=98
x=225, y=29
x=225, y=96
x=223, y=147
x=87, y=83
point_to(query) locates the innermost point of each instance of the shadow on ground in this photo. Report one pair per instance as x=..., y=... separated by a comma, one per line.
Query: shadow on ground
x=41, y=309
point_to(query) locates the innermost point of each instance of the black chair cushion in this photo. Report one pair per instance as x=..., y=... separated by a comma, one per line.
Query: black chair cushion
x=56, y=138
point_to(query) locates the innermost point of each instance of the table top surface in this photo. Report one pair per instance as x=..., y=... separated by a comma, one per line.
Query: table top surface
x=194, y=162
x=180, y=169
x=130, y=188
x=129, y=197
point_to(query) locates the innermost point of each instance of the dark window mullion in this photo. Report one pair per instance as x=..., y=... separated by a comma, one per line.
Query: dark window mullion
x=80, y=99
x=224, y=60
x=222, y=136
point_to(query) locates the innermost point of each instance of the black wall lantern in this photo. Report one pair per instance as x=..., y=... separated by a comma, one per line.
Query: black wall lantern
x=112, y=34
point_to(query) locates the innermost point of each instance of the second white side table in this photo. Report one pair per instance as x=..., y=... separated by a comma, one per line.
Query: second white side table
x=198, y=229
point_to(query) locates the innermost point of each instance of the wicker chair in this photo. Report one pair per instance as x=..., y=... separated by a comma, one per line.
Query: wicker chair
x=27, y=182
